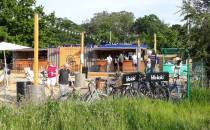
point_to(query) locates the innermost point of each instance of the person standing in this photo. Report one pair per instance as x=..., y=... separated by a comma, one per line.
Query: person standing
x=109, y=63
x=153, y=58
x=116, y=64
x=121, y=59
x=148, y=68
x=64, y=79
x=134, y=58
x=52, y=77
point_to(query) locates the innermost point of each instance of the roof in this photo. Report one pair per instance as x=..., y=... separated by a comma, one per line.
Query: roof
x=32, y=49
x=4, y=46
x=119, y=47
x=173, y=50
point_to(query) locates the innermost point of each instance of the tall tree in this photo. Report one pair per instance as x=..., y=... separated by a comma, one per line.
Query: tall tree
x=197, y=16
x=116, y=23
x=148, y=25
x=17, y=21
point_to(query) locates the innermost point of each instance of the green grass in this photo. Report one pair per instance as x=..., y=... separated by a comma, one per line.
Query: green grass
x=122, y=114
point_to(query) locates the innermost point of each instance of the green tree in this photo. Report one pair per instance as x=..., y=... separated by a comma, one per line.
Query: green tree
x=148, y=25
x=118, y=23
x=197, y=16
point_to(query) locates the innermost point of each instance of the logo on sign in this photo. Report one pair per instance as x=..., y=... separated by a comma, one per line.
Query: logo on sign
x=130, y=78
x=157, y=77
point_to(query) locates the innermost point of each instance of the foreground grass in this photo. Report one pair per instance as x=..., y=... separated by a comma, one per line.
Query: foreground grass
x=119, y=114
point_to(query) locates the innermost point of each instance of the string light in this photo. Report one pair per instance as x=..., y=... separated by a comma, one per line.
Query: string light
x=86, y=35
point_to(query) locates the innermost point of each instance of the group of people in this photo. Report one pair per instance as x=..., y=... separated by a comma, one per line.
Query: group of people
x=117, y=61
x=63, y=78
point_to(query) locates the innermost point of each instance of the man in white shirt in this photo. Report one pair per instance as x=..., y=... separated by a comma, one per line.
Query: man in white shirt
x=109, y=62
x=134, y=58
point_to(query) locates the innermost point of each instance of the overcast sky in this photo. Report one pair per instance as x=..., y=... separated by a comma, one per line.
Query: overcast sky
x=80, y=10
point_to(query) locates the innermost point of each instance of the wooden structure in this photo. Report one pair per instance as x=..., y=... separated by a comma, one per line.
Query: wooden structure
x=24, y=58
x=70, y=55
x=100, y=54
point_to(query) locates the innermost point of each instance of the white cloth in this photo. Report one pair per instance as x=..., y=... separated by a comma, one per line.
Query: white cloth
x=51, y=81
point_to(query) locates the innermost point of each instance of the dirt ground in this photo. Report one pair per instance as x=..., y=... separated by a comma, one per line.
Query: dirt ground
x=10, y=95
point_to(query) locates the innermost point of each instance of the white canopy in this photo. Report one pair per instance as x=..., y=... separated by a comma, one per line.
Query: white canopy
x=5, y=46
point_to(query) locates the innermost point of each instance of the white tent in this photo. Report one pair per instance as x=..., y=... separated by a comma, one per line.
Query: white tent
x=5, y=46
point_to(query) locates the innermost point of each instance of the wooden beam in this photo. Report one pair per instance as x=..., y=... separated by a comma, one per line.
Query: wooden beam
x=36, y=49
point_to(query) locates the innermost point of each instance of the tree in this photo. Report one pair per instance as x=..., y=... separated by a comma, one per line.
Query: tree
x=17, y=24
x=119, y=23
x=148, y=25
x=197, y=16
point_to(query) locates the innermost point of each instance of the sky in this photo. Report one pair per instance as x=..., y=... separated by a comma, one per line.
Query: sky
x=81, y=10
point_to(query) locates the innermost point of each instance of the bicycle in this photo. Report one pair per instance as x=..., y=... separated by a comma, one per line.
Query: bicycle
x=177, y=90
x=93, y=94
x=153, y=88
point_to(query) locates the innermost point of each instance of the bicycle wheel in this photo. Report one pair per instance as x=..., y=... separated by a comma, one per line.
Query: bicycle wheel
x=173, y=92
x=160, y=93
x=144, y=90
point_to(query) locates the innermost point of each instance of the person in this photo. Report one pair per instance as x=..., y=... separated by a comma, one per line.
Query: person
x=153, y=58
x=148, y=68
x=52, y=77
x=109, y=62
x=177, y=67
x=64, y=79
x=134, y=58
x=121, y=59
x=116, y=60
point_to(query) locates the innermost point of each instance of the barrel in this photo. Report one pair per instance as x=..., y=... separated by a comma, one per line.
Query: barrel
x=23, y=91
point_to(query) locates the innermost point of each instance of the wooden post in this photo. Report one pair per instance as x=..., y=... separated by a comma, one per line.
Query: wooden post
x=82, y=51
x=155, y=43
x=139, y=54
x=36, y=49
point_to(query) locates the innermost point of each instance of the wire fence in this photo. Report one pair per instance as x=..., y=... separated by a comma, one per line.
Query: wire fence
x=199, y=76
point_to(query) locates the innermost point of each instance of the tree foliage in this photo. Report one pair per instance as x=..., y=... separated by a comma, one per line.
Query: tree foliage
x=17, y=24
x=118, y=23
x=148, y=25
x=197, y=16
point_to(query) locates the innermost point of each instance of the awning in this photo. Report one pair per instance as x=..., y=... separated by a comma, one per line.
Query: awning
x=5, y=46
x=119, y=47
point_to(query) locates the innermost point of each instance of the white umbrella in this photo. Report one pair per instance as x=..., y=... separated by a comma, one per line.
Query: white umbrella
x=5, y=46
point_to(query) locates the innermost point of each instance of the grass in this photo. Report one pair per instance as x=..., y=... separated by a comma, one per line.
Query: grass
x=121, y=114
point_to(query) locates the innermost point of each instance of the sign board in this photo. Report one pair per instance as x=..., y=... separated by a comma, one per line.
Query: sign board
x=130, y=78
x=158, y=76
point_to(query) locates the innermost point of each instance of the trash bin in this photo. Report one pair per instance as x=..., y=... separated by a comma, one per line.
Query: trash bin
x=23, y=91
x=85, y=71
